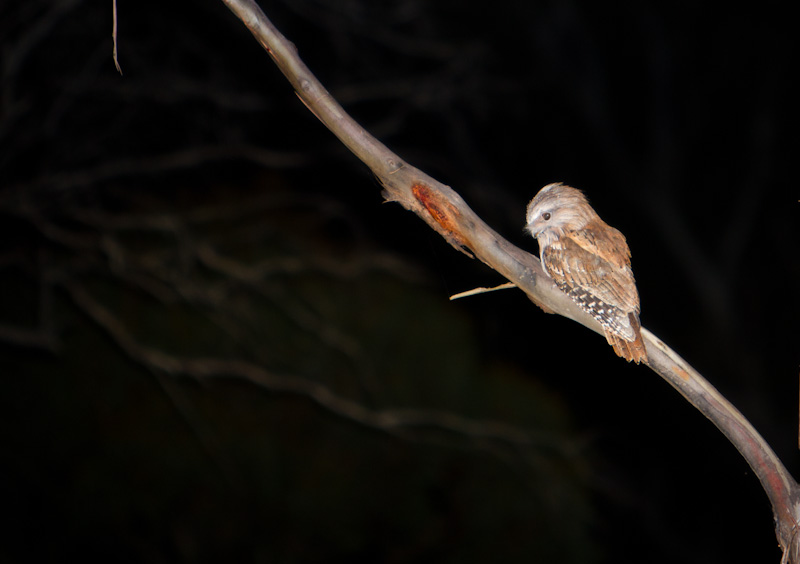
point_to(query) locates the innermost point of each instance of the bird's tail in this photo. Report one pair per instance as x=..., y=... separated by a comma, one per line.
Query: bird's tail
x=629, y=350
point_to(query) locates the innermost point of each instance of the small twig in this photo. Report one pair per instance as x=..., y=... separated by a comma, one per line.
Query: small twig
x=114, y=34
x=447, y=213
x=476, y=291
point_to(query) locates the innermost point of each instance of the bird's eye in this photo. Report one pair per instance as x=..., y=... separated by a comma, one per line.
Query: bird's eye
x=546, y=216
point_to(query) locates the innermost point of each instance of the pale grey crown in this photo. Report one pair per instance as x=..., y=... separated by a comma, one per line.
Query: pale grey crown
x=556, y=209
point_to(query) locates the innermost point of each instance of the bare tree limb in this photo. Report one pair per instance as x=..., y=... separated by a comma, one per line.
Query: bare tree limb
x=178, y=160
x=447, y=213
x=421, y=425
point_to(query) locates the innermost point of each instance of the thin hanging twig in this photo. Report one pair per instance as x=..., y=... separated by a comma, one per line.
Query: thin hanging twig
x=114, y=34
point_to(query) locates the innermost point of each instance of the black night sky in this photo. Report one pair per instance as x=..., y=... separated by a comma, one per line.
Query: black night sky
x=207, y=312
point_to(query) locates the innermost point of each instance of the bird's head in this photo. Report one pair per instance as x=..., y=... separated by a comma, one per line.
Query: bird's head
x=557, y=208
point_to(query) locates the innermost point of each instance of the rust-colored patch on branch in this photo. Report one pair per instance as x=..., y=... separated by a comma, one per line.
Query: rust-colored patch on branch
x=682, y=373
x=444, y=214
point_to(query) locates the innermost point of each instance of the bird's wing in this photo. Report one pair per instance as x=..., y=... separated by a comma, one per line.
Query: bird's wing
x=578, y=266
x=599, y=238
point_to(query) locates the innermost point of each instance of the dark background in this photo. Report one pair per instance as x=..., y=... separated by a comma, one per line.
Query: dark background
x=674, y=117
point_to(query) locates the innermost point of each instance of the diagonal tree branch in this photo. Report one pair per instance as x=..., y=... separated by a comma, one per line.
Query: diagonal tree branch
x=447, y=213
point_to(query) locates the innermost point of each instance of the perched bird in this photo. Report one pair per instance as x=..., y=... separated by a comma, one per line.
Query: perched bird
x=590, y=262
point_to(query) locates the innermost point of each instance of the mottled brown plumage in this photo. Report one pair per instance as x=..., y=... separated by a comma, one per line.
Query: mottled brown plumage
x=589, y=261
